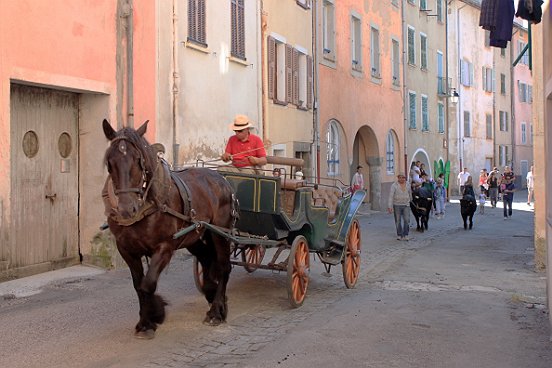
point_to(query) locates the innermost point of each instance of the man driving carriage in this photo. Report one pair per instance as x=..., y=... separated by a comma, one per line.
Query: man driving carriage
x=244, y=149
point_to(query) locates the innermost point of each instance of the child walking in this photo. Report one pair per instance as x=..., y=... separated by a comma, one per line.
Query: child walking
x=440, y=197
x=482, y=200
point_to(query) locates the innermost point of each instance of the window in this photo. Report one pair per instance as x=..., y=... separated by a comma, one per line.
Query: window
x=356, y=43
x=328, y=30
x=522, y=90
x=488, y=79
x=503, y=155
x=425, y=115
x=423, y=51
x=487, y=38
x=423, y=4
x=440, y=11
x=530, y=133
x=196, y=22
x=503, y=120
x=375, y=52
x=441, y=117
x=390, y=153
x=502, y=84
x=411, y=46
x=279, y=71
x=529, y=93
x=489, y=126
x=396, y=63
x=525, y=58
x=441, y=80
x=523, y=133
x=412, y=110
x=467, y=124
x=238, y=29
x=503, y=52
x=466, y=73
x=333, y=149
x=290, y=74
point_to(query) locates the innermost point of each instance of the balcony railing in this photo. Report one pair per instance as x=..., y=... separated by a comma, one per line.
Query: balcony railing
x=443, y=85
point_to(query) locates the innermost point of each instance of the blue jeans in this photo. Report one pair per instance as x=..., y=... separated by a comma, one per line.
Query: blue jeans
x=507, y=199
x=402, y=212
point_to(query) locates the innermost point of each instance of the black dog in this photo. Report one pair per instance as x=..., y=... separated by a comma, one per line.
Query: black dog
x=468, y=206
x=422, y=201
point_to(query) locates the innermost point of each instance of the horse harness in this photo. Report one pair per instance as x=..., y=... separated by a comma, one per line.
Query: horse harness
x=148, y=207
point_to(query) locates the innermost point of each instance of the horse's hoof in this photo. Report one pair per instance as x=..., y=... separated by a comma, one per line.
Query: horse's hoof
x=146, y=335
x=212, y=321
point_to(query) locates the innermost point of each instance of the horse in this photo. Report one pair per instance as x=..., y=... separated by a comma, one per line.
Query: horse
x=422, y=201
x=468, y=206
x=147, y=203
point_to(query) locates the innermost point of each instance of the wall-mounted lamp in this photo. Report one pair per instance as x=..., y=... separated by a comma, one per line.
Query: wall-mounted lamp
x=453, y=95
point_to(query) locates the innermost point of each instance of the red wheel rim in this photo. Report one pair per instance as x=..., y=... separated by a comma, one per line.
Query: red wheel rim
x=351, y=263
x=298, y=271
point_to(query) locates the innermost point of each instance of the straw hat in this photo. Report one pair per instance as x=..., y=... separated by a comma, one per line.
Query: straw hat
x=240, y=122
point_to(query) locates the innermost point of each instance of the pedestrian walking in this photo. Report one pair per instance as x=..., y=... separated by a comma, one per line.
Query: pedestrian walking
x=358, y=180
x=462, y=178
x=530, y=186
x=508, y=188
x=399, y=204
x=483, y=186
x=493, y=182
x=482, y=200
x=440, y=198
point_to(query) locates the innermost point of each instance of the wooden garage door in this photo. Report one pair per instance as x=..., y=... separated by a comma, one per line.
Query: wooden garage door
x=44, y=180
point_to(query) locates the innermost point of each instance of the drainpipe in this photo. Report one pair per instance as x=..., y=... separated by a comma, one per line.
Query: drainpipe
x=315, y=115
x=130, y=64
x=513, y=104
x=447, y=99
x=460, y=97
x=264, y=94
x=175, y=82
x=405, y=90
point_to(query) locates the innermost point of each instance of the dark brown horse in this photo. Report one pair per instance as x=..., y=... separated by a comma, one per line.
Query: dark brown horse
x=146, y=204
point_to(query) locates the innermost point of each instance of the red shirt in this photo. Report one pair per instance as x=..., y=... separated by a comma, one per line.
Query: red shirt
x=239, y=150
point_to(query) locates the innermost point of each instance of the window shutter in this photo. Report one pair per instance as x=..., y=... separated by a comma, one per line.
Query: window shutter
x=201, y=22
x=192, y=20
x=295, y=76
x=271, y=67
x=289, y=74
x=241, y=30
x=309, y=82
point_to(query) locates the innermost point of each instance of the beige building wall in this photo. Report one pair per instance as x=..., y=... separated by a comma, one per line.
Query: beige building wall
x=426, y=143
x=522, y=108
x=542, y=143
x=360, y=109
x=288, y=115
x=471, y=148
x=202, y=87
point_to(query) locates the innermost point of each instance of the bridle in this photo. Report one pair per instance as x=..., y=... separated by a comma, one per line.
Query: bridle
x=143, y=187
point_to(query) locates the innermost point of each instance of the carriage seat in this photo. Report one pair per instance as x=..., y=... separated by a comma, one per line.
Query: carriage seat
x=292, y=184
x=327, y=197
x=289, y=186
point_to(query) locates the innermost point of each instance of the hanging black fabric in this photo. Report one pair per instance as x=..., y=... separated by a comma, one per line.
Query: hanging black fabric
x=530, y=10
x=502, y=33
x=488, y=15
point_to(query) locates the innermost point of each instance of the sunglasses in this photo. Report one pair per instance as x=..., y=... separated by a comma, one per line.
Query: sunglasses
x=239, y=131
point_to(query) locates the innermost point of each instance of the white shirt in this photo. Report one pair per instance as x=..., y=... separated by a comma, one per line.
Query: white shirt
x=530, y=180
x=358, y=179
x=463, y=177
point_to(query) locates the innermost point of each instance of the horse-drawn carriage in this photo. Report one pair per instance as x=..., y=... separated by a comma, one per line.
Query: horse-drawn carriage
x=222, y=218
x=291, y=214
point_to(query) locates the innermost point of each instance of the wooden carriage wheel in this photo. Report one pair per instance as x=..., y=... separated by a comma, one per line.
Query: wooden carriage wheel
x=351, y=259
x=198, y=275
x=298, y=271
x=253, y=256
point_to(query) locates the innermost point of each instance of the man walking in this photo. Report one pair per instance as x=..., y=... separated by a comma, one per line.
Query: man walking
x=462, y=178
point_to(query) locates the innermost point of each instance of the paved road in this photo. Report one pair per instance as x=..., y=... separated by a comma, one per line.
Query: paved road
x=449, y=297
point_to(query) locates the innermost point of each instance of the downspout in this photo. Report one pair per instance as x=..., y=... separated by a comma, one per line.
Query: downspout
x=175, y=76
x=259, y=44
x=459, y=108
x=447, y=134
x=130, y=64
x=513, y=105
x=264, y=26
x=315, y=116
x=405, y=90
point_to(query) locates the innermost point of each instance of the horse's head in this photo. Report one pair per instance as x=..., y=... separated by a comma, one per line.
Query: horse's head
x=129, y=161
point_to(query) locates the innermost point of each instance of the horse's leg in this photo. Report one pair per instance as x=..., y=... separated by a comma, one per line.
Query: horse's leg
x=220, y=271
x=471, y=220
x=137, y=273
x=205, y=254
x=465, y=219
x=153, y=311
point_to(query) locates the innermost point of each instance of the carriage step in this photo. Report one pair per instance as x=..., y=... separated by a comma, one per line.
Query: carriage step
x=333, y=255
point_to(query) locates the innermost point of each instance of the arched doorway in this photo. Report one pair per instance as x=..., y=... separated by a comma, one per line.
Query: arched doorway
x=366, y=154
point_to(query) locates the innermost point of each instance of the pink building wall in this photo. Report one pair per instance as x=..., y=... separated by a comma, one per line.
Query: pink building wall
x=77, y=46
x=361, y=104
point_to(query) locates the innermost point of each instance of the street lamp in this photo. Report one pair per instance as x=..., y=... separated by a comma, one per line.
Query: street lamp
x=453, y=95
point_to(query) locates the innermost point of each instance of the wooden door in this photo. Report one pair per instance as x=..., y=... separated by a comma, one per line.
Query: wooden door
x=44, y=179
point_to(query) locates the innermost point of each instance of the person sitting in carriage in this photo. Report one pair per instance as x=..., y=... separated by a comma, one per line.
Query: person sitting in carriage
x=244, y=149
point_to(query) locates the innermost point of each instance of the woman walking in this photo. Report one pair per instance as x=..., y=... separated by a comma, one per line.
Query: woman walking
x=399, y=204
x=493, y=188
